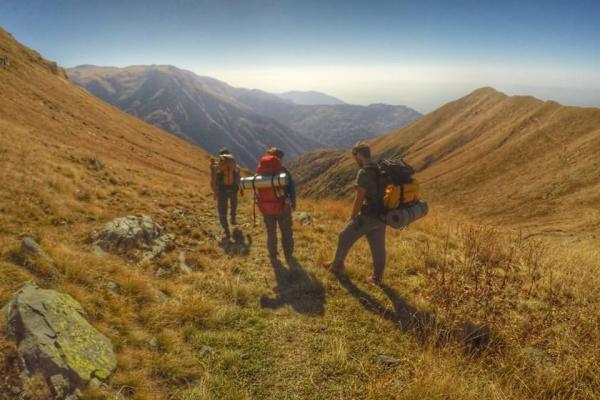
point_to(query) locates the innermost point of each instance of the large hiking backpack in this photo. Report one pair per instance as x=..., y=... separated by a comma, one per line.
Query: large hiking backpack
x=397, y=185
x=226, y=170
x=270, y=201
x=398, y=193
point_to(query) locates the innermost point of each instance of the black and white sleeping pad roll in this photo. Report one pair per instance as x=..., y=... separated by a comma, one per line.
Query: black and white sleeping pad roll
x=264, y=181
x=401, y=217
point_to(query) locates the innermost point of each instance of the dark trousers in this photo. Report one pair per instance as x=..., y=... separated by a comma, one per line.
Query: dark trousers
x=284, y=220
x=226, y=197
x=371, y=227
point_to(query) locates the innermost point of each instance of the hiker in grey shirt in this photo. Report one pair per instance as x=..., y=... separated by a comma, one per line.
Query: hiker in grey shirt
x=364, y=220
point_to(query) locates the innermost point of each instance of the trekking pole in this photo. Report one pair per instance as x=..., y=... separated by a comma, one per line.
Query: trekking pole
x=254, y=200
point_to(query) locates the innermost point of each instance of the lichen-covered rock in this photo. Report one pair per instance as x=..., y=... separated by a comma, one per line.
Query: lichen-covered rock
x=137, y=235
x=55, y=339
x=161, y=245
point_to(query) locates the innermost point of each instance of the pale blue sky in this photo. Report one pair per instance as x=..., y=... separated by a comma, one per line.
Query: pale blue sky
x=421, y=54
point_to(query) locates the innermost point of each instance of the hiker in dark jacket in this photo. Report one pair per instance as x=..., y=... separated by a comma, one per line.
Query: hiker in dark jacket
x=225, y=182
x=364, y=220
x=284, y=219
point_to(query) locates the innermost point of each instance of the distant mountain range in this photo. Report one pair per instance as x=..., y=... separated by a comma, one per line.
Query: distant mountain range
x=213, y=114
x=310, y=98
x=340, y=126
x=197, y=109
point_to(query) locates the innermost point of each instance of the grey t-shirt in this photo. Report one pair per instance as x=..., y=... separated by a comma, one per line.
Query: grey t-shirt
x=366, y=178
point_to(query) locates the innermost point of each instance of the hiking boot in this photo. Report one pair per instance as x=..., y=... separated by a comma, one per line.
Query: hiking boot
x=328, y=265
x=372, y=280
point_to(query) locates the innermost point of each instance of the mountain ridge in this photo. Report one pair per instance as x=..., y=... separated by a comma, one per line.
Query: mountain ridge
x=310, y=98
x=488, y=140
x=313, y=125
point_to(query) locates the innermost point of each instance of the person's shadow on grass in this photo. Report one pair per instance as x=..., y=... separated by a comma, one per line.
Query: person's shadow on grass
x=296, y=287
x=425, y=326
x=238, y=245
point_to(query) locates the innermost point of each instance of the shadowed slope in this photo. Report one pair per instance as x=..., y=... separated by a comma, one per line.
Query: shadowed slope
x=42, y=107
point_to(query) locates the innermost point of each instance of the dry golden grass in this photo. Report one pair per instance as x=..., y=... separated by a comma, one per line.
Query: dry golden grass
x=239, y=328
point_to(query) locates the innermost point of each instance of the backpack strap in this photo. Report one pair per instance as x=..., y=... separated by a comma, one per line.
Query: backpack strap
x=402, y=194
x=379, y=187
x=377, y=207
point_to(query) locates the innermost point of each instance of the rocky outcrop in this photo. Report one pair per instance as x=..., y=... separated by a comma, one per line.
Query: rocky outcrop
x=55, y=339
x=31, y=249
x=136, y=235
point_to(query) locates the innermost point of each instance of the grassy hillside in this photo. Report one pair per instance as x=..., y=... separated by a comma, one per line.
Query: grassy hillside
x=468, y=312
x=511, y=160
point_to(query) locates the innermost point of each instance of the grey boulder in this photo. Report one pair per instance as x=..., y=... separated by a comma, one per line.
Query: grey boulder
x=387, y=361
x=31, y=250
x=55, y=339
x=137, y=235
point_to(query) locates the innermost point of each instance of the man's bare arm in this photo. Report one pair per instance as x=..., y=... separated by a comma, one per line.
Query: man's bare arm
x=359, y=198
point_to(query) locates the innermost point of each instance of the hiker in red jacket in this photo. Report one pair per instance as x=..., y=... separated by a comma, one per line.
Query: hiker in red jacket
x=276, y=204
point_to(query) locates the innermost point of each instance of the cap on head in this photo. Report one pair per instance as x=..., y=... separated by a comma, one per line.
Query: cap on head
x=361, y=148
x=274, y=151
x=224, y=150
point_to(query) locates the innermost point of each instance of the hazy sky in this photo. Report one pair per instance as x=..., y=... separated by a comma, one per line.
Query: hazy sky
x=418, y=53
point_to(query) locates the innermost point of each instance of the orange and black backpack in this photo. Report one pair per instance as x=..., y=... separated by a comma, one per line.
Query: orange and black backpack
x=399, y=200
x=226, y=171
x=270, y=201
x=396, y=185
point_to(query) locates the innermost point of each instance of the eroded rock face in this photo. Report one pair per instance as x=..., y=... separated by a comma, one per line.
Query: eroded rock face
x=55, y=339
x=134, y=234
